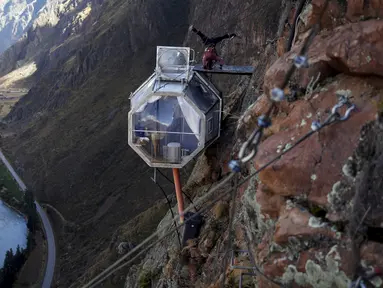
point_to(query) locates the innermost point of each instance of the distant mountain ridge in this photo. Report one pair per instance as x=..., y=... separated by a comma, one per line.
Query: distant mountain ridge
x=16, y=16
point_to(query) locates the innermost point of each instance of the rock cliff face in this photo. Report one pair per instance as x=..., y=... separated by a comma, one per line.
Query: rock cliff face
x=313, y=218
x=69, y=140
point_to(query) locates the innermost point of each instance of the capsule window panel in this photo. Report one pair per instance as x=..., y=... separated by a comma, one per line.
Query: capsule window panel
x=143, y=92
x=200, y=95
x=166, y=129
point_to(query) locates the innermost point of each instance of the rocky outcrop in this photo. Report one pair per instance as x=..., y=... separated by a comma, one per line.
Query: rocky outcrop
x=363, y=9
x=308, y=17
x=300, y=171
x=332, y=17
x=361, y=53
x=351, y=49
x=298, y=247
x=361, y=179
x=370, y=253
x=293, y=222
x=313, y=202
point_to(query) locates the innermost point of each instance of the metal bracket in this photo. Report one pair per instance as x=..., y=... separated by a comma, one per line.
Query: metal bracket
x=254, y=269
x=193, y=54
x=154, y=178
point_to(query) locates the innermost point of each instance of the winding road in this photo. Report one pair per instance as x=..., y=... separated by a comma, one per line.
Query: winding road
x=50, y=265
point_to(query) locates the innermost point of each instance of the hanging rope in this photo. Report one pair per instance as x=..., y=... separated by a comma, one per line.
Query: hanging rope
x=231, y=228
x=171, y=211
x=172, y=182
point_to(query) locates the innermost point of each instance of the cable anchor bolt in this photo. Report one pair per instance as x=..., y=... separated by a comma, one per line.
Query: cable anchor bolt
x=301, y=62
x=277, y=95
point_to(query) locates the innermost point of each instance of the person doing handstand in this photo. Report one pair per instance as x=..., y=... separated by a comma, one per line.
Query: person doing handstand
x=210, y=43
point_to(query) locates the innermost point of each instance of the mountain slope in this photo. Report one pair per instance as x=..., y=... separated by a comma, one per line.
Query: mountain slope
x=80, y=104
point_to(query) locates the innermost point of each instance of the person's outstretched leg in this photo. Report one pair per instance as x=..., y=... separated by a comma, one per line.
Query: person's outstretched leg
x=203, y=37
x=216, y=40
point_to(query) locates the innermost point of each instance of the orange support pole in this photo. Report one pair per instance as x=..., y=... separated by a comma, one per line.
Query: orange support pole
x=180, y=199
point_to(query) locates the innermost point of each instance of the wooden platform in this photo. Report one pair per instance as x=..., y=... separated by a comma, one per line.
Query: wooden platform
x=227, y=69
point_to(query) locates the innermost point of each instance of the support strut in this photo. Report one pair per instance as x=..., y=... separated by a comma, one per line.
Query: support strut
x=180, y=199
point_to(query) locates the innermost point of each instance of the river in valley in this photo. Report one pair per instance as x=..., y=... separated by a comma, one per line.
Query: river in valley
x=13, y=231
